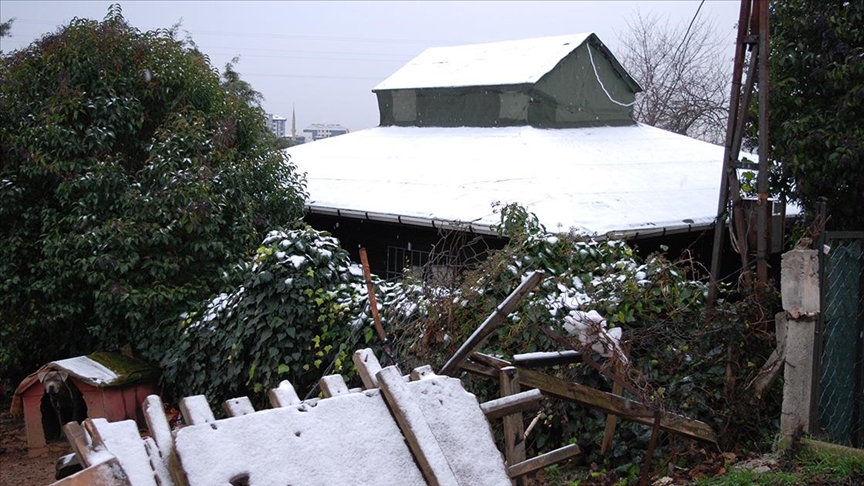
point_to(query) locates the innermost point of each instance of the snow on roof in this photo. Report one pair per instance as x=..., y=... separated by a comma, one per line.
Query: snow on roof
x=84, y=368
x=635, y=179
x=490, y=64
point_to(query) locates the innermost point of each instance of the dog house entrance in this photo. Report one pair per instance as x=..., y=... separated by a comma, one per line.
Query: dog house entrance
x=64, y=405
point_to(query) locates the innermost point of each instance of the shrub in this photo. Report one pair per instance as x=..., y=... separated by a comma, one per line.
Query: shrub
x=677, y=359
x=130, y=180
x=298, y=313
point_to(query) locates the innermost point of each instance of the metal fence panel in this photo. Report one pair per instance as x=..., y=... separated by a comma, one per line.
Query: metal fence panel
x=841, y=377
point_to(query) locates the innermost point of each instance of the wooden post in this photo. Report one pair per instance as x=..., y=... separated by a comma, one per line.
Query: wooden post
x=649, y=454
x=611, y=422
x=514, y=429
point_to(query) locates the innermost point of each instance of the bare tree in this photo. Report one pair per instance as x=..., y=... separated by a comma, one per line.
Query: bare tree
x=684, y=73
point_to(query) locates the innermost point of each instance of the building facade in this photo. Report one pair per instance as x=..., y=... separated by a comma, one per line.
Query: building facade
x=276, y=124
x=317, y=131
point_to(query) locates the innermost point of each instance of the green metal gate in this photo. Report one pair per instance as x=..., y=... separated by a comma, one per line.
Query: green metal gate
x=840, y=374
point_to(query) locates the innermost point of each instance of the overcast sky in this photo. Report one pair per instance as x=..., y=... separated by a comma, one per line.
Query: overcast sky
x=325, y=57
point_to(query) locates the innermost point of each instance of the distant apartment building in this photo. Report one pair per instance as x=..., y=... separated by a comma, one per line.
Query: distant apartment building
x=276, y=124
x=317, y=131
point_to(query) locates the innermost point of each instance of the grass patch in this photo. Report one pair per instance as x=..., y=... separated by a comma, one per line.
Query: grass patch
x=803, y=464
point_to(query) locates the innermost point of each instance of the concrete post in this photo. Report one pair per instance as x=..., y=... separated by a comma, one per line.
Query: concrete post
x=799, y=287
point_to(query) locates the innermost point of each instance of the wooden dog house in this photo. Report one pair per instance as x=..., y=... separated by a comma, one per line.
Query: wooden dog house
x=112, y=385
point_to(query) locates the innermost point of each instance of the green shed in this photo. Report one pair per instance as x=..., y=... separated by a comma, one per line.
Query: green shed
x=549, y=82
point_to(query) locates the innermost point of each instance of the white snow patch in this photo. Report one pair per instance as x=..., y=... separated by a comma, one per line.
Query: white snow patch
x=86, y=369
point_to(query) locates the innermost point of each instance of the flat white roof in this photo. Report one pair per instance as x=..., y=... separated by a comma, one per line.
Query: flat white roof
x=633, y=179
x=490, y=64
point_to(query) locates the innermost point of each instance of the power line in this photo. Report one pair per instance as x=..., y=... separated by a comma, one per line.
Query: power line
x=687, y=32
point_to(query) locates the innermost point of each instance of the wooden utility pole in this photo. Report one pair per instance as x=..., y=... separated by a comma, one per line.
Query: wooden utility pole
x=752, y=37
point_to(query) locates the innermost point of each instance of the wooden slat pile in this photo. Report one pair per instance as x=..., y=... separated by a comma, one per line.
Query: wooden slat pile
x=396, y=430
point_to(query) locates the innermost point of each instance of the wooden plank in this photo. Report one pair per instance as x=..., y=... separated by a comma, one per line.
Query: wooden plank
x=160, y=432
x=333, y=386
x=611, y=422
x=196, y=410
x=82, y=444
x=511, y=404
x=367, y=367
x=158, y=463
x=493, y=322
x=629, y=409
x=284, y=395
x=108, y=473
x=425, y=448
x=122, y=440
x=422, y=372
x=237, y=407
x=537, y=360
x=607, y=402
x=514, y=428
x=541, y=461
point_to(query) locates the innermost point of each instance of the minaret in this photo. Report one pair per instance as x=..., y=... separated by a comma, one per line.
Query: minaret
x=293, y=123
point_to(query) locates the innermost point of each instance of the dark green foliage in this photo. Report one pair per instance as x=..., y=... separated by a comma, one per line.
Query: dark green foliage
x=298, y=307
x=677, y=360
x=817, y=104
x=130, y=180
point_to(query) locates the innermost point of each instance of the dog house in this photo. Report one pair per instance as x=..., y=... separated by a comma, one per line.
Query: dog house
x=102, y=385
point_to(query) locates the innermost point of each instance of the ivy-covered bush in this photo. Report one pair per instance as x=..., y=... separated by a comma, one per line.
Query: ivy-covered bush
x=298, y=313
x=677, y=359
x=130, y=178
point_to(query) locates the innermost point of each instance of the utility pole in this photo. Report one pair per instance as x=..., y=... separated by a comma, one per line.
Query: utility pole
x=752, y=37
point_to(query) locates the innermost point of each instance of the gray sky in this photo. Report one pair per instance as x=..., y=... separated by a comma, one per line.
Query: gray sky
x=324, y=57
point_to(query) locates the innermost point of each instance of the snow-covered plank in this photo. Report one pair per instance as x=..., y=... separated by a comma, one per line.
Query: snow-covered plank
x=158, y=463
x=196, y=410
x=367, y=367
x=422, y=372
x=348, y=439
x=547, y=358
x=284, y=395
x=124, y=442
x=332, y=386
x=418, y=432
x=518, y=402
x=236, y=407
x=160, y=433
x=82, y=444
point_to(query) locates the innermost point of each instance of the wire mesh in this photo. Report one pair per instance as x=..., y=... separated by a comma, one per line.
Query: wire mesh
x=841, y=379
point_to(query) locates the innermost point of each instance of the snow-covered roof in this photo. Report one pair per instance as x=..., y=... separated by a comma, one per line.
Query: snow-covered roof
x=490, y=64
x=630, y=179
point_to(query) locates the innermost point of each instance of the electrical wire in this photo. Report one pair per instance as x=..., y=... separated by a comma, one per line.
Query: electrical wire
x=596, y=75
x=687, y=32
